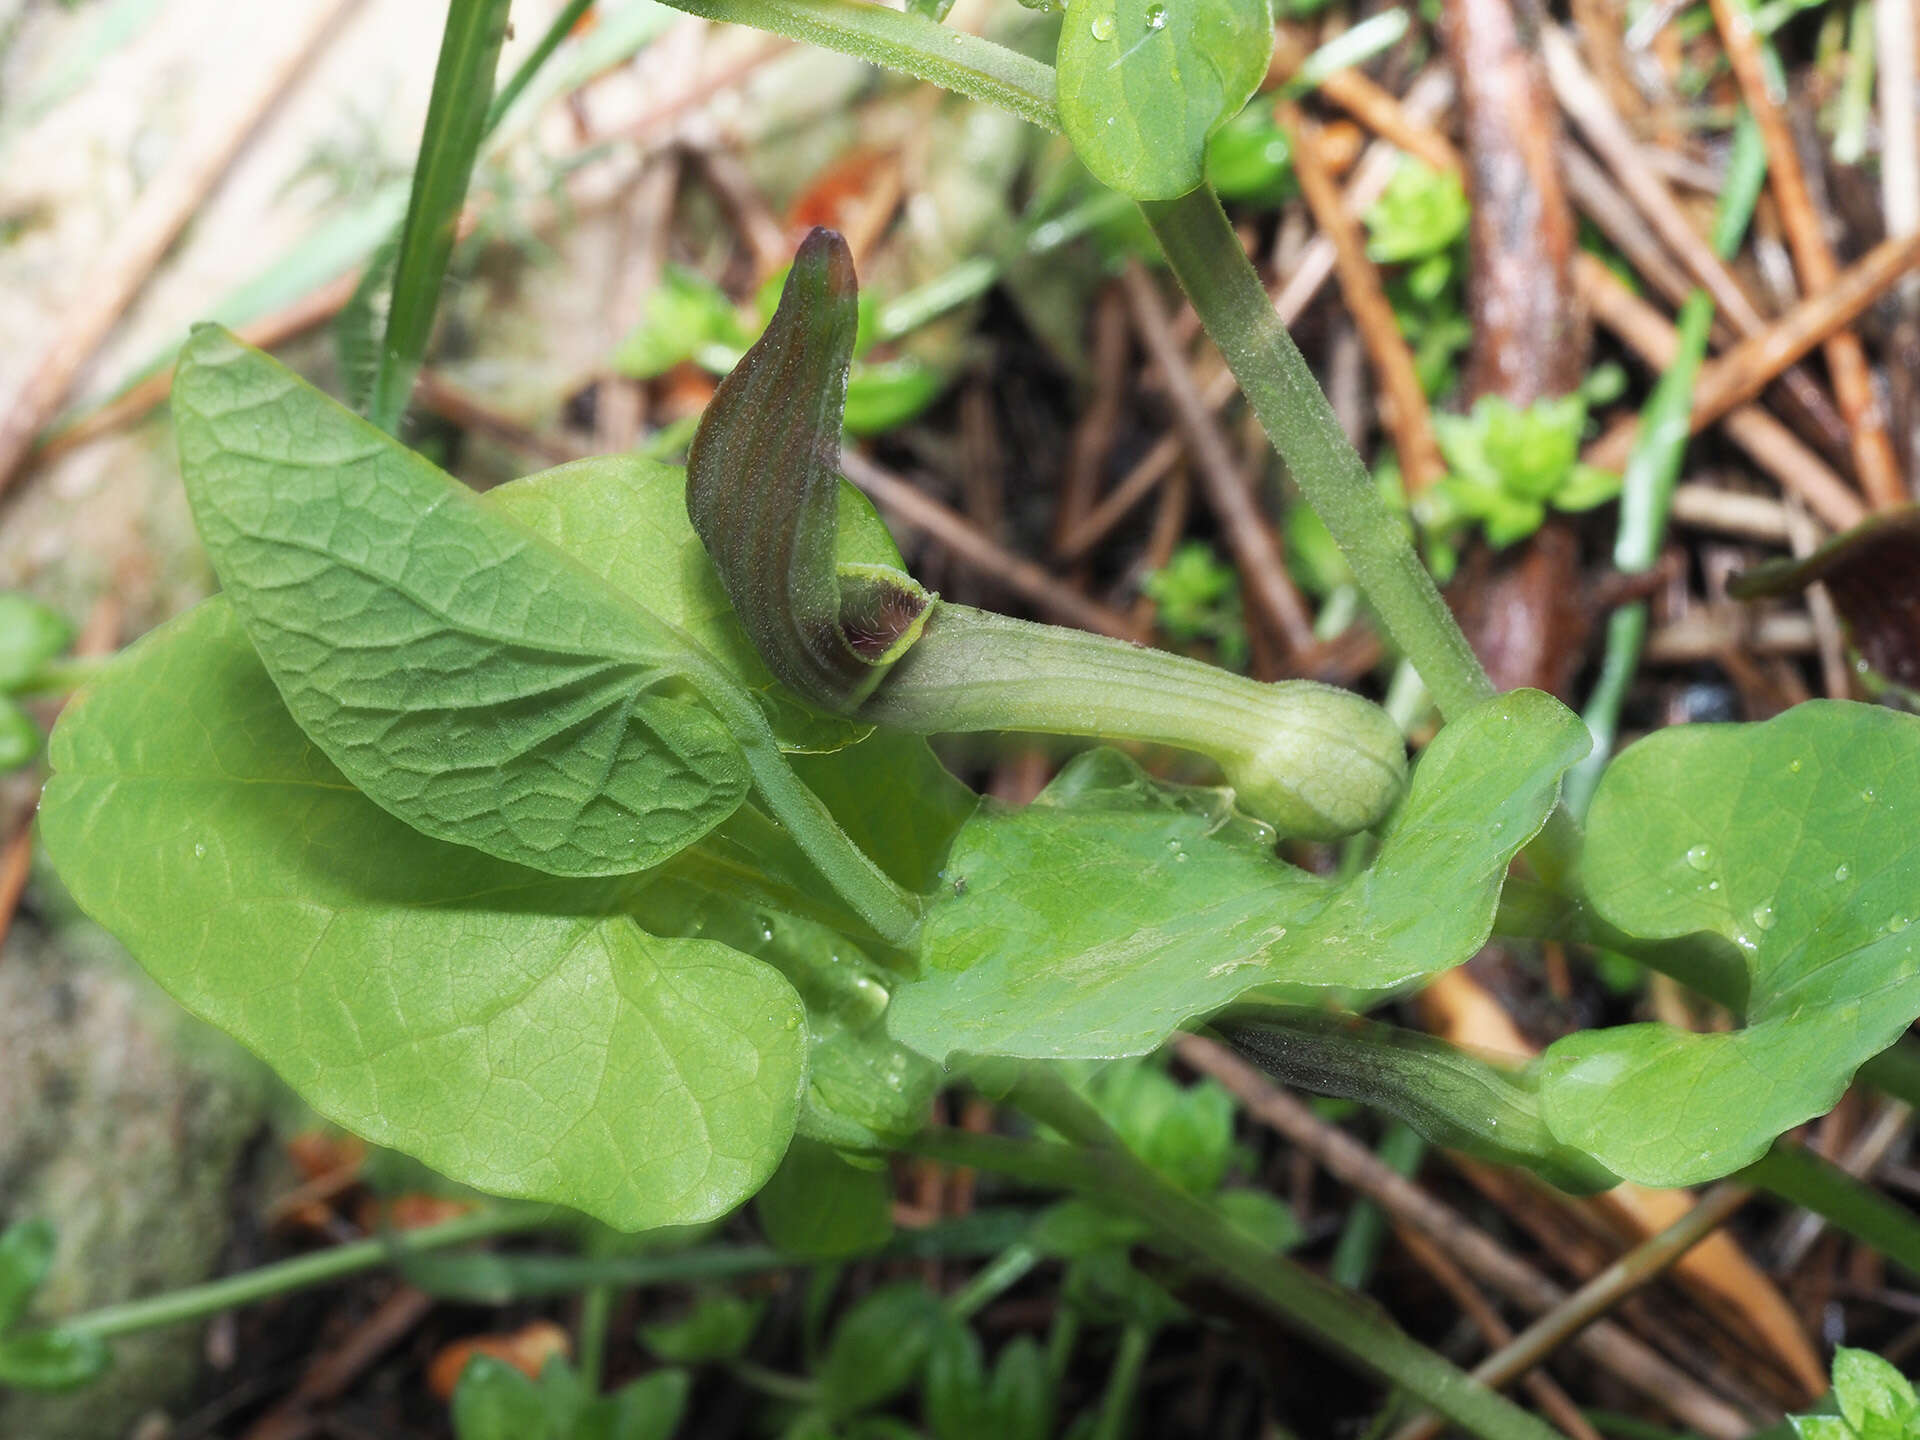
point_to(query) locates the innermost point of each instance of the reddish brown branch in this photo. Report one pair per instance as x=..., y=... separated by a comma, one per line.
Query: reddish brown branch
x=1813, y=258
x=1406, y=411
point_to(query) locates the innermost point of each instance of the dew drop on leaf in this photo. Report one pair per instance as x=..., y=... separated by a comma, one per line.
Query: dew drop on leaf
x=1102, y=27
x=1897, y=923
x=1794, y=766
x=1763, y=916
x=1841, y=872
x=870, y=996
x=1156, y=17
x=199, y=851
x=1699, y=856
x=1867, y=795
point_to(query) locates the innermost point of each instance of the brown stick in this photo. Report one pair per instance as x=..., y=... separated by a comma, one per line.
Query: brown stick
x=1638, y=1267
x=149, y=228
x=1813, y=258
x=1249, y=533
x=1596, y=119
x=969, y=546
x=1529, y=338
x=1741, y=373
x=1378, y=109
x=1352, y=1163
x=16, y=860
x=1407, y=414
x=1770, y=444
x=1093, y=434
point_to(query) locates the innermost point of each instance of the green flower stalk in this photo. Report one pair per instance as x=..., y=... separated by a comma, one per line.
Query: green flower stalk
x=1309, y=759
x=866, y=640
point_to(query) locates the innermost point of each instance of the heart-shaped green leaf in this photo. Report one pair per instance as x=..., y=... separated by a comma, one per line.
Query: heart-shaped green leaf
x=1145, y=83
x=1794, y=840
x=1093, y=922
x=817, y=1206
x=465, y=675
x=509, y=1028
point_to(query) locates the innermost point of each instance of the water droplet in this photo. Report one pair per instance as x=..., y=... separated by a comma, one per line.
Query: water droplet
x=766, y=930
x=1713, y=884
x=1867, y=795
x=870, y=995
x=1841, y=872
x=199, y=851
x=1699, y=856
x=793, y=1022
x=1181, y=857
x=1102, y=27
x=1897, y=923
x=1794, y=765
x=1763, y=916
x=1156, y=17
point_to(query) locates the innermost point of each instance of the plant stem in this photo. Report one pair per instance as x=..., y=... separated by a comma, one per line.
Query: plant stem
x=894, y=913
x=923, y=48
x=1309, y=759
x=1116, y=1404
x=1646, y=496
x=456, y=120
x=1061, y=1340
x=1008, y=1269
x=341, y=1261
x=773, y=1382
x=1098, y=1166
x=1401, y=1150
x=523, y=73
x=1206, y=256
x=596, y=1307
x=1795, y=1173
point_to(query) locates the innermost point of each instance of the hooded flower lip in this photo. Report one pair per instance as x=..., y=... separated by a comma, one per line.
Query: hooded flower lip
x=763, y=476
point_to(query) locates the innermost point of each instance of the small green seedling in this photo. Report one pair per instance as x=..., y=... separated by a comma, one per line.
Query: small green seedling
x=36, y=1357
x=1197, y=598
x=31, y=639
x=494, y=1401
x=689, y=318
x=1875, y=1401
x=1506, y=464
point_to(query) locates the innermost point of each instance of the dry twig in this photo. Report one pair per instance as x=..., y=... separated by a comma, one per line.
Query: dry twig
x=1407, y=414
x=1813, y=257
x=1348, y=1160
x=1741, y=373
x=1248, y=532
x=1770, y=444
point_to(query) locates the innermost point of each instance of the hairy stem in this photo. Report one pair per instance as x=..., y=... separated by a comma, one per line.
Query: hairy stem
x=1206, y=256
x=1309, y=759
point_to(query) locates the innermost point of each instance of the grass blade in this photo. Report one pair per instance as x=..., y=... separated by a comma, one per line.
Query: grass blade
x=456, y=122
